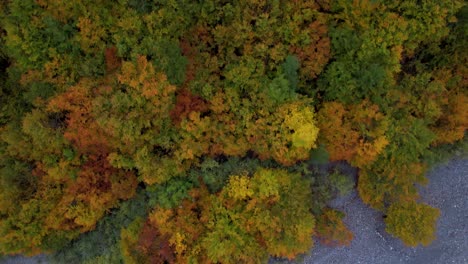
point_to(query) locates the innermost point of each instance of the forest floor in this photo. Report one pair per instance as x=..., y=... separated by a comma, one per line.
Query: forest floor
x=447, y=190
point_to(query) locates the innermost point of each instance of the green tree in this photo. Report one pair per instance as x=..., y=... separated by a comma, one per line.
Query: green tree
x=414, y=223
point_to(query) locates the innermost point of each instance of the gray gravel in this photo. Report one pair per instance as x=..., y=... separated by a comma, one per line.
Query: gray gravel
x=447, y=190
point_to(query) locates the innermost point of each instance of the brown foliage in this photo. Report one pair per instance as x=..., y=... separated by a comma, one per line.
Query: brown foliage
x=340, y=137
x=81, y=128
x=113, y=62
x=331, y=230
x=314, y=56
x=189, y=52
x=355, y=133
x=154, y=246
x=97, y=177
x=97, y=188
x=186, y=102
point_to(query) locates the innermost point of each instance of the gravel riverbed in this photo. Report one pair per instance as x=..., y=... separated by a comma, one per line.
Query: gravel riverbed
x=447, y=190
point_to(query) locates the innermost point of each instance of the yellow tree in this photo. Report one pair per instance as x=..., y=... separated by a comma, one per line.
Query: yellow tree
x=414, y=223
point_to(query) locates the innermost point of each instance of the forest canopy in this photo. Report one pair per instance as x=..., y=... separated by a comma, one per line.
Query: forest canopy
x=179, y=131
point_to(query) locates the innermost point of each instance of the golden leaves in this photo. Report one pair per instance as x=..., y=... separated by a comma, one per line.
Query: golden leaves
x=300, y=119
x=238, y=188
x=453, y=123
x=412, y=222
x=91, y=35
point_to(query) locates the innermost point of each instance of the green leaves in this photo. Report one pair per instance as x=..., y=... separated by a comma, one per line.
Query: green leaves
x=171, y=193
x=290, y=69
x=191, y=100
x=414, y=223
x=69, y=154
x=280, y=90
x=341, y=182
x=167, y=57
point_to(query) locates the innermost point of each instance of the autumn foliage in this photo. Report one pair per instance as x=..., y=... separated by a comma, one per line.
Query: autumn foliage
x=355, y=133
x=413, y=222
x=253, y=217
x=331, y=230
x=192, y=131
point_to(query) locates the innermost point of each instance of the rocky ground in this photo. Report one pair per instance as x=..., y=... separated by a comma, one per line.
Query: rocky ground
x=447, y=190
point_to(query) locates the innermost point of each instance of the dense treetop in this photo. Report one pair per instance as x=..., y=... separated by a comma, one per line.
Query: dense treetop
x=177, y=131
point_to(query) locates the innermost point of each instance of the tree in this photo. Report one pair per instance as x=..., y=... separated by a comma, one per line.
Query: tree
x=355, y=133
x=414, y=223
x=331, y=230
